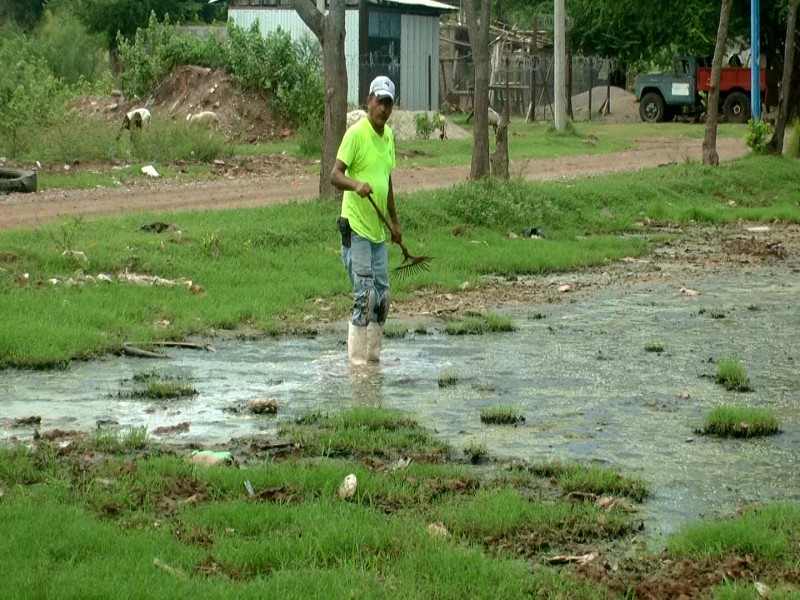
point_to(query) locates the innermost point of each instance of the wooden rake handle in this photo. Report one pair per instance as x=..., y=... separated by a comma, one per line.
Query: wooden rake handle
x=406, y=255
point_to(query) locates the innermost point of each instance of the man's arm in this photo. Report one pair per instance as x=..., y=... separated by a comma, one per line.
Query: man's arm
x=343, y=182
x=397, y=234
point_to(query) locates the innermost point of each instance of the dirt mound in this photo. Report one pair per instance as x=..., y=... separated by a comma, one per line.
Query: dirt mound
x=244, y=116
x=624, y=108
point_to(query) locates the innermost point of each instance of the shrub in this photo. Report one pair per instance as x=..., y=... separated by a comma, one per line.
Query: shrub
x=71, y=52
x=758, y=135
x=425, y=125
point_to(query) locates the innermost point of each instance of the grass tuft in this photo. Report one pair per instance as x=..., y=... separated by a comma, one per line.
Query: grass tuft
x=479, y=324
x=501, y=414
x=575, y=477
x=732, y=421
x=653, y=347
x=732, y=374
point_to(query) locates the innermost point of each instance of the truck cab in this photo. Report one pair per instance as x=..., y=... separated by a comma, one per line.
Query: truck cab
x=662, y=95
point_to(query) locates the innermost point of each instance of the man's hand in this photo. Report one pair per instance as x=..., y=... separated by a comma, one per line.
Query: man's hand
x=363, y=189
x=397, y=235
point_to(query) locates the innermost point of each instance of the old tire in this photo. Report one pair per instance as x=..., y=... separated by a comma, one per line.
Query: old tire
x=652, y=108
x=17, y=180
x=736, y=108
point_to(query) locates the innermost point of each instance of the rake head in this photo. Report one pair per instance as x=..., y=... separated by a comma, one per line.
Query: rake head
x=412, y=265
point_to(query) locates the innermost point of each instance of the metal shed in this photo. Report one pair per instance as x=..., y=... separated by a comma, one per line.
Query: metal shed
x=398, y=38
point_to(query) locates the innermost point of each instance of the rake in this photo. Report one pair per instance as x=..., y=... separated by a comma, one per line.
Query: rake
x=411, y=264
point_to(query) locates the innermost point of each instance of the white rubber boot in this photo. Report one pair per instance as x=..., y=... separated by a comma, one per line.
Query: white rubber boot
x=357, y=344
x=374, y=335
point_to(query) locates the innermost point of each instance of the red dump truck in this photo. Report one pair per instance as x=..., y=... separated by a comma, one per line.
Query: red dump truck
x=662, y=96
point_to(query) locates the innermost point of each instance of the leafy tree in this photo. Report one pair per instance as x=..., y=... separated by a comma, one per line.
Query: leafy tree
x=70, y=51
x=25, y=13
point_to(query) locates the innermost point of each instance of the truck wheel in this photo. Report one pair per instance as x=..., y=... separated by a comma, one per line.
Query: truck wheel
x=651, y=108
x=736, y=108
x=17, y=180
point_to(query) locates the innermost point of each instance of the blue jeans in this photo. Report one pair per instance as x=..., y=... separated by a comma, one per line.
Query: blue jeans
x=367, y=265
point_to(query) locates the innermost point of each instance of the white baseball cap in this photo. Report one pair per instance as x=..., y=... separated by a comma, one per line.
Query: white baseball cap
x=382, y=87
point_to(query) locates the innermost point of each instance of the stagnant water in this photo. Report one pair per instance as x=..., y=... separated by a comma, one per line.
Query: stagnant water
x=578, y=372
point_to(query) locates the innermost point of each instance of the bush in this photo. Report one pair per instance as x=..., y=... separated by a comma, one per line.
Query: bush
x=758, y=135
x=425, y=125
x=71, y=52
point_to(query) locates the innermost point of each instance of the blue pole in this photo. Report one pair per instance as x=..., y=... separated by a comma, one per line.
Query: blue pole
x=755, y=60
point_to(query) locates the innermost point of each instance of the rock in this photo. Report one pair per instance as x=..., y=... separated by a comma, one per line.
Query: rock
x=261, y=406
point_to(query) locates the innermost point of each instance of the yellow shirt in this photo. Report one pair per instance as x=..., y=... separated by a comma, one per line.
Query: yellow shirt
x=369, y=157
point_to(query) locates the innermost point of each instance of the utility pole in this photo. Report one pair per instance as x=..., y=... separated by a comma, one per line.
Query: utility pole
x=560, y=61
x=755, y=60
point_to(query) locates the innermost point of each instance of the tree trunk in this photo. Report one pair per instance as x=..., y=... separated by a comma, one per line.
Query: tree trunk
x=776, y=142
x=500, y=156
x=710, y=156
x=479, y=42
x=330, y=31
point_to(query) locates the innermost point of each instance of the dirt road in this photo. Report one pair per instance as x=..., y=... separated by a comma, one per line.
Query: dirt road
x=265, y=188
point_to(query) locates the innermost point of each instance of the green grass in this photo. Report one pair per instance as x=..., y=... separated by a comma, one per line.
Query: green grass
x=479, y=324
x=362, y=429
x=502, y=414
x=149, y=524
x=394, y=331
x=264, y=268
x=475, y=451
x=735, y=421
x=653, y=347
x=116, y=441
x=448, y=378
x=768, y=533
x=732, y=374
x=592, y=479
x=161, y=387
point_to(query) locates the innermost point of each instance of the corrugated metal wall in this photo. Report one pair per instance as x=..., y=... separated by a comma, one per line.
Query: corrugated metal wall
x=419, y=47
x=270, y=19
x=419, y=62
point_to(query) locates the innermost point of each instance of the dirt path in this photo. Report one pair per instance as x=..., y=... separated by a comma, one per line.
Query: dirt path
x=266, y=188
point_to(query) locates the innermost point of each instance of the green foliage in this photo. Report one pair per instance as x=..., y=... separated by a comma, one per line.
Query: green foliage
x=309, y=138
x=767, y=533
x=71, y=52
x=602, y=481
x=758, y=135
x=502, y=414
x=30, y=96
x=732, y=421
x=732, y=374
x=425, y=125
x=290, y=70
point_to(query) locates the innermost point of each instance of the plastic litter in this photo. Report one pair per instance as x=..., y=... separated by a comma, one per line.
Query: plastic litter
x=211, y=458
x=348, y=488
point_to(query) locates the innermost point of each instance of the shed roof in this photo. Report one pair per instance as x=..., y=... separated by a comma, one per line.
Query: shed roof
x=434, y=5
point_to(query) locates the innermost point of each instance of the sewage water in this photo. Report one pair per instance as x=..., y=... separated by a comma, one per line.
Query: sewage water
x=578, y=371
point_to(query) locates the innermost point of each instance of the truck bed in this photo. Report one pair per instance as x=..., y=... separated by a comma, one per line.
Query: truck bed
x=732, y=78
